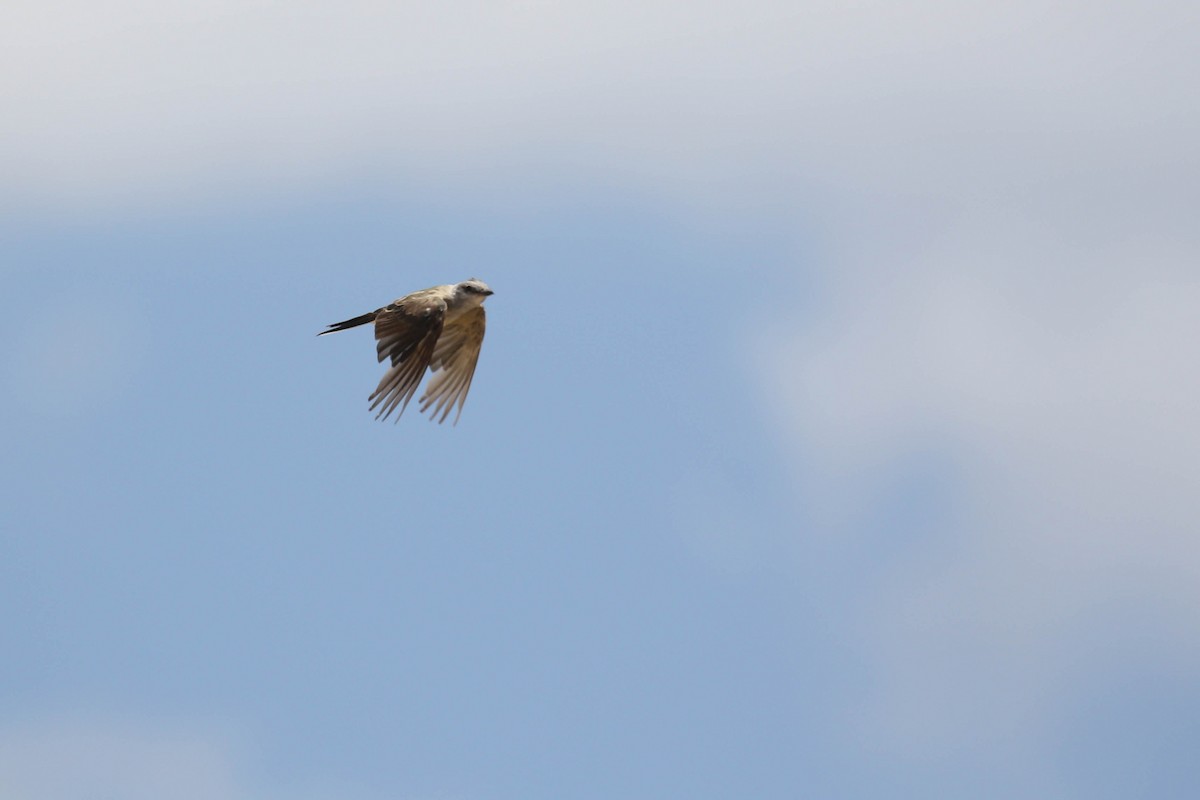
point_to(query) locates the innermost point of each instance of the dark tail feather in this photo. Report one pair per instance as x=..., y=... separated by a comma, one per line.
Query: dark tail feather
x=351, y=323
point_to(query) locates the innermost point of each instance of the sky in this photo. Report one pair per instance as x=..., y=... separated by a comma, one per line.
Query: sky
x=834, y=434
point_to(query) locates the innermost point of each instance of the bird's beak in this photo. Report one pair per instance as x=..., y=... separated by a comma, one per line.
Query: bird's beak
x=489, y=292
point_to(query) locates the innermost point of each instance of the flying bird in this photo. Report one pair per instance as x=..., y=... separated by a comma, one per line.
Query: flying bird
x=440, y=329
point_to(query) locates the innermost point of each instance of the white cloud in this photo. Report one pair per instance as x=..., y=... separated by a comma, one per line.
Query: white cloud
x=138, y=100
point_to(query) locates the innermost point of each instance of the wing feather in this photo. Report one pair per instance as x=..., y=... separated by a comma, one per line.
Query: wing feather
x=407, y=333
x=453, y=363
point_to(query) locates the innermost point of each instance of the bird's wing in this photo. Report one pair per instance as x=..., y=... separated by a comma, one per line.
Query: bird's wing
x=406, y=332
x=453, y=364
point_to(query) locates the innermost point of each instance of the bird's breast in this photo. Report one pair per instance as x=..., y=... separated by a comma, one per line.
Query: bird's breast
x=455, y=311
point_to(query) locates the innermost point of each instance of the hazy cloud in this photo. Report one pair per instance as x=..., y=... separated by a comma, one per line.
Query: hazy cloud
x=69, y=759
x=1059, y=371
x=70, y=357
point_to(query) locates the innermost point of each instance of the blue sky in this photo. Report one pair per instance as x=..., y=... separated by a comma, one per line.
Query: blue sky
x=833, y=435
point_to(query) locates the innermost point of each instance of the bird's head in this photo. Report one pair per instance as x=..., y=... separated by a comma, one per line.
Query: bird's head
x=473, y=289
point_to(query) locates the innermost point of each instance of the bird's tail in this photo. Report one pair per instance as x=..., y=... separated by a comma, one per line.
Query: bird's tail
x=351, y=323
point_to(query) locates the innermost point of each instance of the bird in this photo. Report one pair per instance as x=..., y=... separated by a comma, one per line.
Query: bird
x=439, y=329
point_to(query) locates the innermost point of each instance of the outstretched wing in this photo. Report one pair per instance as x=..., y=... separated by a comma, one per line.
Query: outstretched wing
x=406, y=332
x=453, y=364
